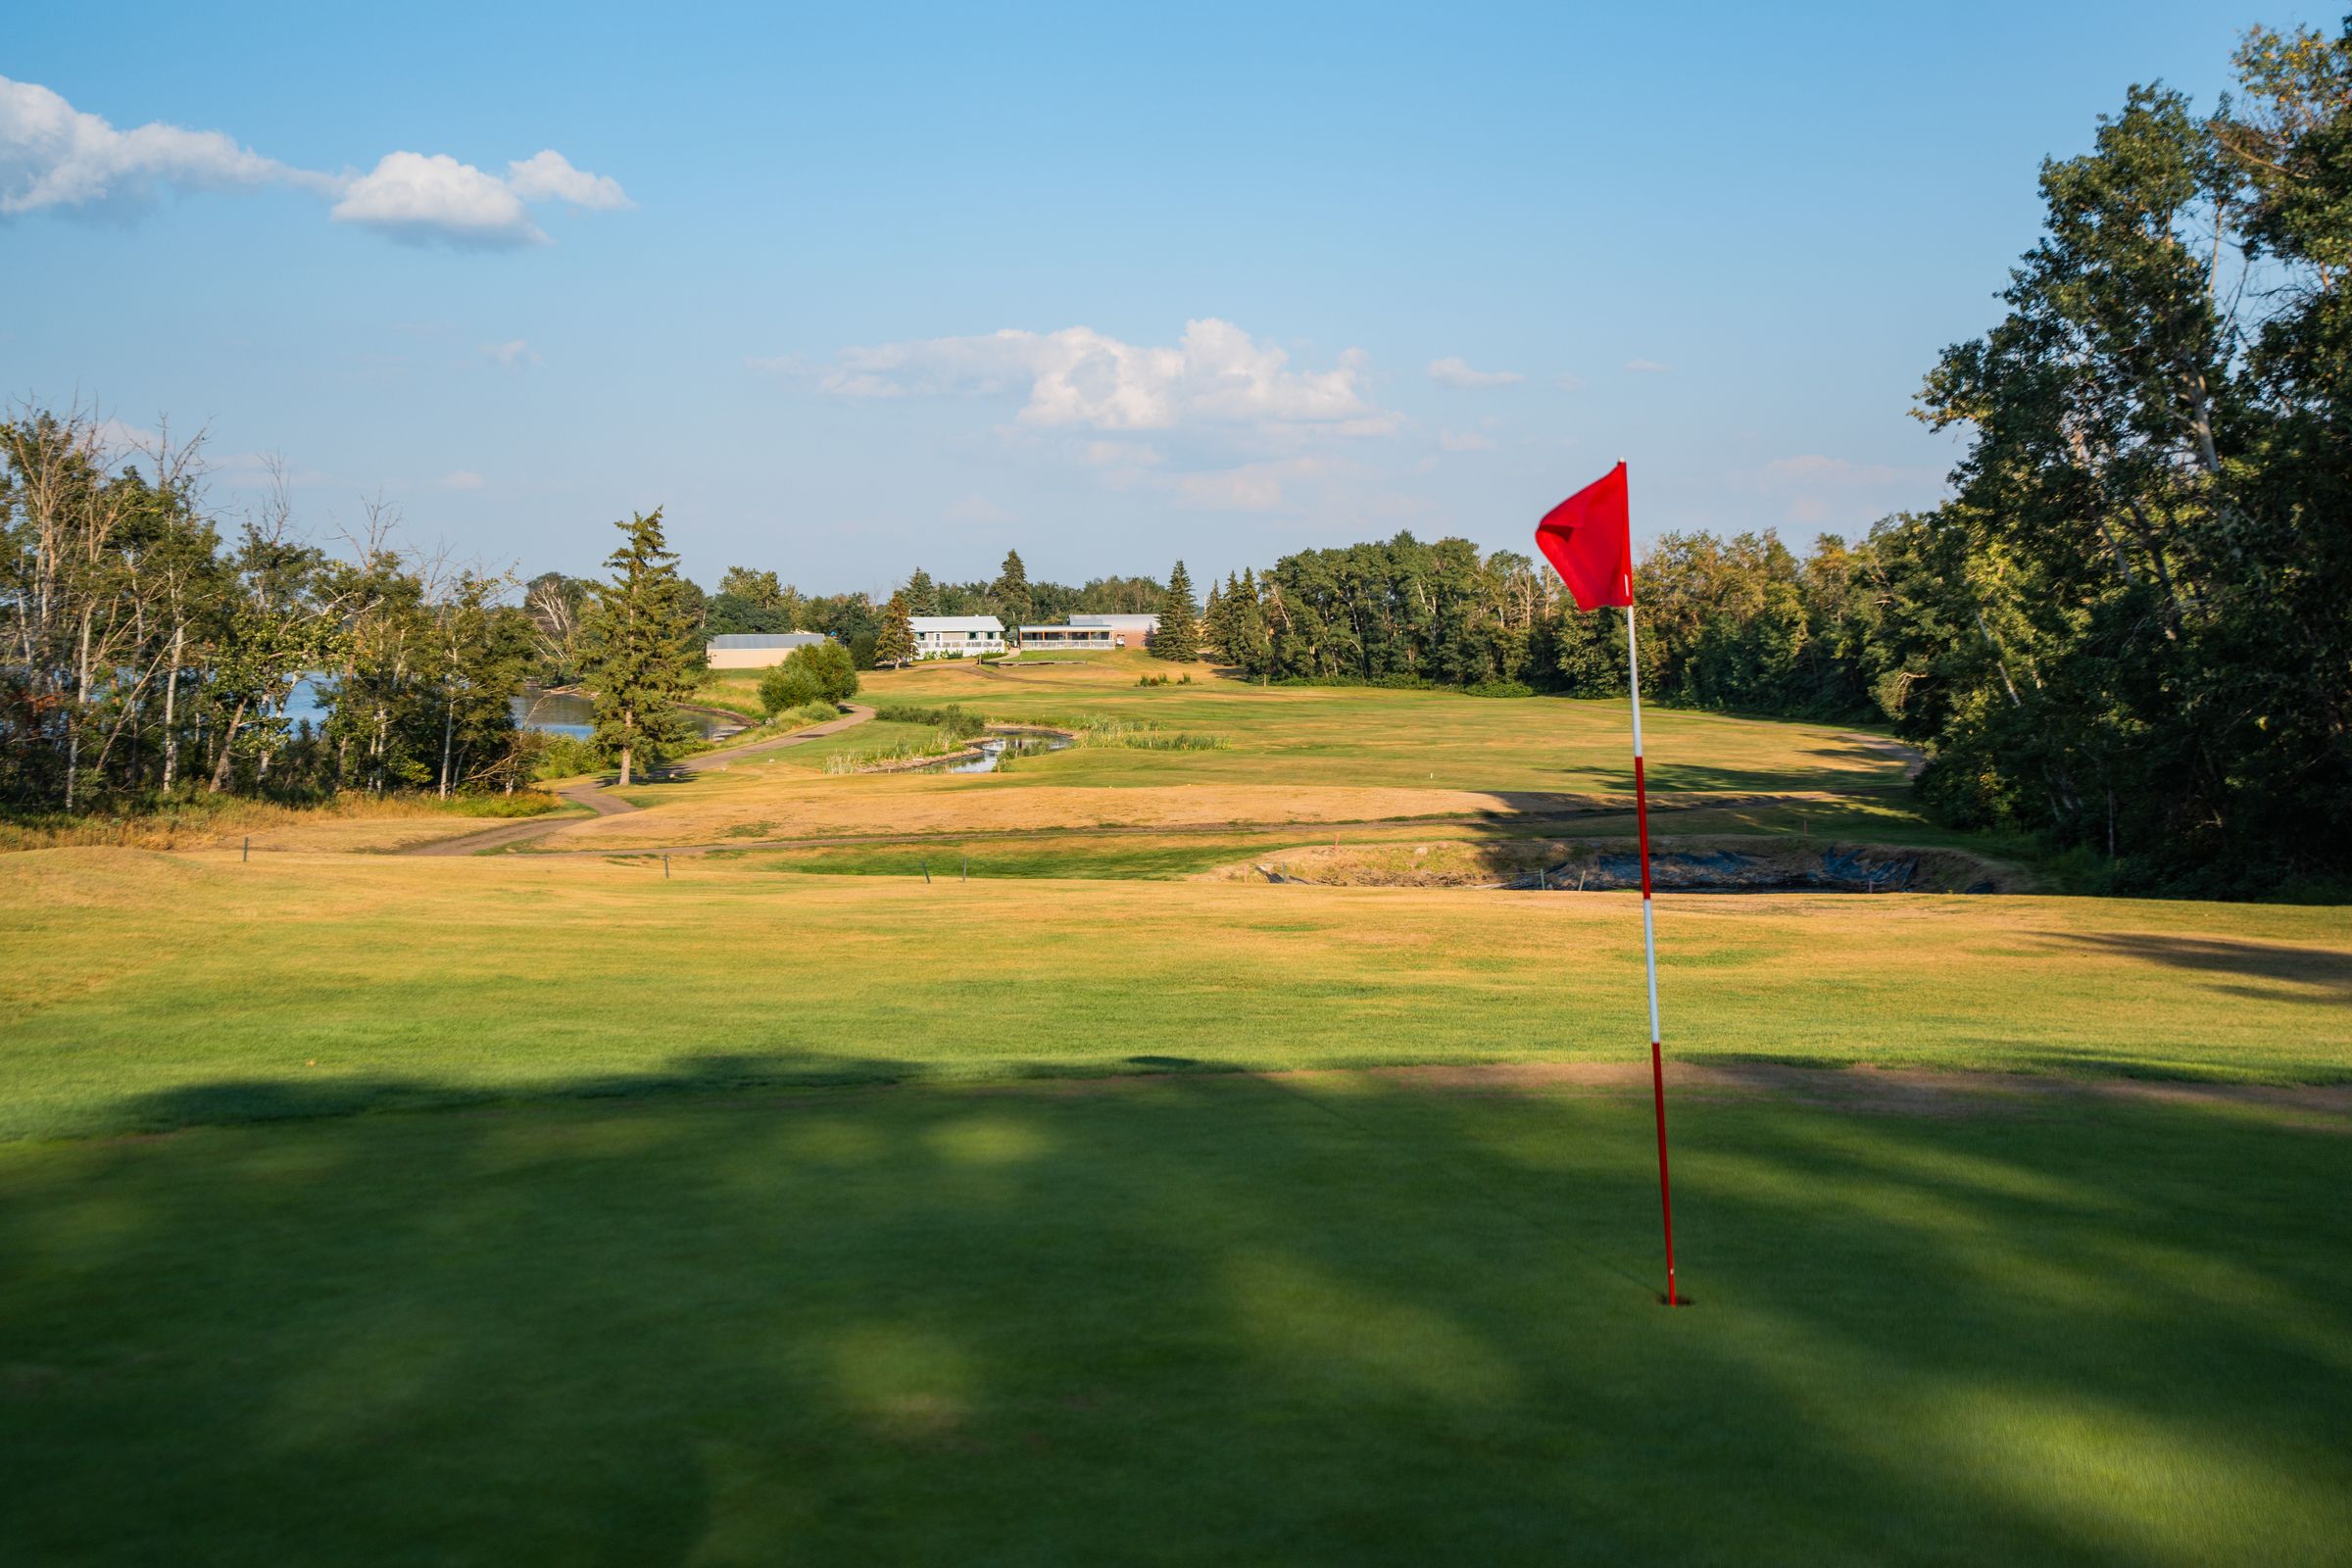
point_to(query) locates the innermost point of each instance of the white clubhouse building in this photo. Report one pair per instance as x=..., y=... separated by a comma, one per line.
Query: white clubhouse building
x=956, y=636
x=969, y=636
x=1073, y=635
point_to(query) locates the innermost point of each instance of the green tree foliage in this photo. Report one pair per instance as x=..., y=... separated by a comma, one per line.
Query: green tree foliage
x=1009, y=594
x=643, y=642
x=1044, y=601
x=894, y=645
x=758, y=589
x=1403, y=613
x=148, y=661
x=1178, y=636
x=2130, y=629
x=751, y=601
x=822, y=672
x=1113, y=595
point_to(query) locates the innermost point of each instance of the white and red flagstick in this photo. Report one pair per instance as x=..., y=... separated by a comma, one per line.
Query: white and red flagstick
x=1650, y=954
x=1588, y=540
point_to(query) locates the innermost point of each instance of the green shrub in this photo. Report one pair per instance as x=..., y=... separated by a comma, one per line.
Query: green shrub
x=1500, y=688
x=567, y=755
x=822, y=673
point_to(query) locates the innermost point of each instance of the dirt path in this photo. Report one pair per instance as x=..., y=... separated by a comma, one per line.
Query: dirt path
x=593, y=796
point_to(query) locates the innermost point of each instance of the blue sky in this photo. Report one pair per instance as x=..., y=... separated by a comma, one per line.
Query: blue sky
x=852, y=293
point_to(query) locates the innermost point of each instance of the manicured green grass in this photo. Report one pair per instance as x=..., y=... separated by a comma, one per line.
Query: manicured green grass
x=1346, y=1321
x=151, y=991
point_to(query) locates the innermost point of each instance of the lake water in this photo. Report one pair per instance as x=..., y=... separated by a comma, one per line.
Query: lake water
x=555, y=712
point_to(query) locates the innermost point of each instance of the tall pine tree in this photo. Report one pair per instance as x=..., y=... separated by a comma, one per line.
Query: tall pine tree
x=922, y=594
x=642, y=658
x=894, y=644
x=1010, y=592
x=1179, y=634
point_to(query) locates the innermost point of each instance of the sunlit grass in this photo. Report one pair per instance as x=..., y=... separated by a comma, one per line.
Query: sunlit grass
x=149, y=990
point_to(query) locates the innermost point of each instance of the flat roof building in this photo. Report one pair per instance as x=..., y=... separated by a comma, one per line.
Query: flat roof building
x=956, y=636
x=758, y=650
x=1127, y=631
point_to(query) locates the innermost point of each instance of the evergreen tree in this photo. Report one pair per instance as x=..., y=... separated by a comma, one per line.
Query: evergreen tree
x=1212, y=621
x=1009, y=592
x=1247, y=641
x=641, y=659
x=920, y=596
x=1179, y=634
x=894, y=645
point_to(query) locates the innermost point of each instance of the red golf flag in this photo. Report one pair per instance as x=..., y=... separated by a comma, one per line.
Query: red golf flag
x=1589, y=539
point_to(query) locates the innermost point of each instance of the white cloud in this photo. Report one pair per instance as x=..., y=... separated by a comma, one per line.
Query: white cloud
x=461, y=480
x=1647, y=368
x=513, y=355
x=412, y=197
x=1454, y=371
x=1464, y=441
x=54, y=154
x=1568, y=383
x=548, y=177
x=54, y=157
x=1215, y=374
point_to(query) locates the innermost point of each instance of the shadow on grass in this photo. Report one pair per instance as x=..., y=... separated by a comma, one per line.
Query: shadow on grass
x=2304, y=974
x=1178, y=1318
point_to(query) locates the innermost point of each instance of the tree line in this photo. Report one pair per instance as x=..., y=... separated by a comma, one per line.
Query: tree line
x=156, y=650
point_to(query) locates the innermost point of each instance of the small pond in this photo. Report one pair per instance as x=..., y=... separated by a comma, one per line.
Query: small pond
x=995, y=748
